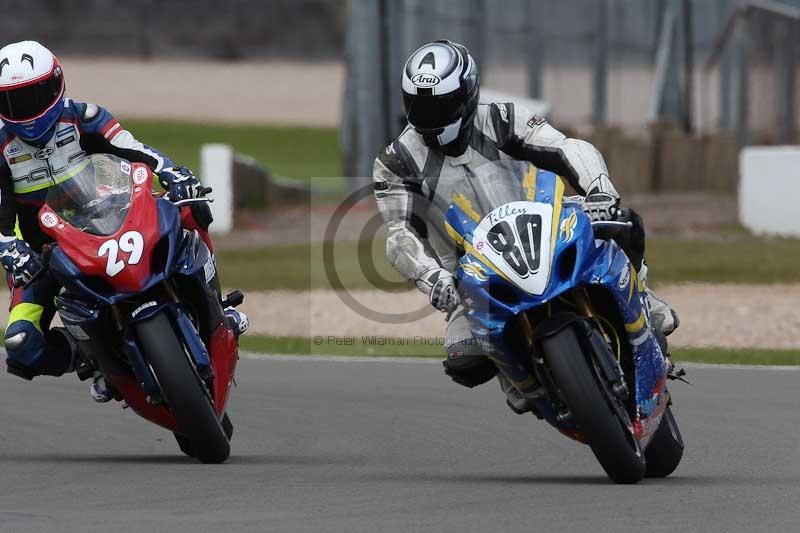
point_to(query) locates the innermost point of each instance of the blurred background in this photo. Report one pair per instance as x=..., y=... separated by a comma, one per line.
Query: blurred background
x=692, y=102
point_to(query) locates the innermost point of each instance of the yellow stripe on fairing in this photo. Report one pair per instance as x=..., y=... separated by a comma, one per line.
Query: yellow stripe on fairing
x=633, y=280
x=558, y=197
x=74, y=171
x=636, y=326
x=529, y=183
x=453, y=233
x=26, y=311
x=466, y=206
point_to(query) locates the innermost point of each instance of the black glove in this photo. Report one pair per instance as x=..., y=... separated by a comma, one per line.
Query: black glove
x=601, y=206
x=180, y=183
x=20, y=260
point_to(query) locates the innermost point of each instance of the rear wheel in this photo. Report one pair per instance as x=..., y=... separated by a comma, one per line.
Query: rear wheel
x=666, y=449
x=202, y=435
x=598, y=415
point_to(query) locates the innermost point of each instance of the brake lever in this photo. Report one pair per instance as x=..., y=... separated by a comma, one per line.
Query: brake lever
x=194, y=201
x=627, y=224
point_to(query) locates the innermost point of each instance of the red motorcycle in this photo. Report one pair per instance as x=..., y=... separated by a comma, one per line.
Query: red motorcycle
x=140, y=299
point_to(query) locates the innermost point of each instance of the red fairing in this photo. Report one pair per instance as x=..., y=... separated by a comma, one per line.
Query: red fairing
x=224, y=355
x=83, y=249
x=134, y=396
x=188, y=222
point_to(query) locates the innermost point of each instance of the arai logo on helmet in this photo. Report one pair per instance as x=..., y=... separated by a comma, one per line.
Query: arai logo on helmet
x=49, y=220
x=425, y=80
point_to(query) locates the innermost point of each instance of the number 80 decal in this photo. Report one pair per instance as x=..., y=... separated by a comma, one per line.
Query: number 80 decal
x=131, y=242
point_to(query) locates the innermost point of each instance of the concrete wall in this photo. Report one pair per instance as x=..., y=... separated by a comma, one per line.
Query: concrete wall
x=768, y=191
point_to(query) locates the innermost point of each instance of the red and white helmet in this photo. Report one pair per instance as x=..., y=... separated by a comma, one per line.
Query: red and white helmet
x=31, y=89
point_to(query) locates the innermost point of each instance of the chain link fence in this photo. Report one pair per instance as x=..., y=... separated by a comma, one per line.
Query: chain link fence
x=595, y=62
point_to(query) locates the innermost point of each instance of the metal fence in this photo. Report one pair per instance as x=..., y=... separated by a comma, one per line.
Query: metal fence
x=752, y=72
x=233, y=29
x=619, y=63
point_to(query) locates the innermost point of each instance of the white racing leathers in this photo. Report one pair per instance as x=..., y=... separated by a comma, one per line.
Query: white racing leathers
x=413, y=184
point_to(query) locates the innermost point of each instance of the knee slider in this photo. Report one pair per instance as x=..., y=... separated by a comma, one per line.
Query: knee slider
x=468, y=365
x=31, y=354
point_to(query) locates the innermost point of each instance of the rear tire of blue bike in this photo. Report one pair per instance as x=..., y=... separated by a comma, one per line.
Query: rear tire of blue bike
x=184, y=392
x=612, y=444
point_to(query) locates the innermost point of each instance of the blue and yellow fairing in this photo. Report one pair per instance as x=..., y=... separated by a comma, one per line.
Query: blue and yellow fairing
x=576, y=259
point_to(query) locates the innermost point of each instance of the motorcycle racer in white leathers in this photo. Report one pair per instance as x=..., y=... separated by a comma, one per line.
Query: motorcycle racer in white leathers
x=449, y=133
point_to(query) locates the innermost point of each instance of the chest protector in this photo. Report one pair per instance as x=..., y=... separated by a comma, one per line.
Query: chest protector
x=32, y=168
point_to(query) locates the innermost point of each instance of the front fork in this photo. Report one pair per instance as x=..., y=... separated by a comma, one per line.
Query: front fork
x=532, y=381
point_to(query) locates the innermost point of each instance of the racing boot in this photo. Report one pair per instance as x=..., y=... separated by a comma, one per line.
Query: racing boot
x=237, y=320
x=662, y=316
x=100, y=390
x=514, y=399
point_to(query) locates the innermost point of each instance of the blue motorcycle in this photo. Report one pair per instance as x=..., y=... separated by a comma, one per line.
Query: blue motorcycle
x=562, y=314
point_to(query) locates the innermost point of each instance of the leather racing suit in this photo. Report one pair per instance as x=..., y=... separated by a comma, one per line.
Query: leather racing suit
x=25, y=173
x=413, y=185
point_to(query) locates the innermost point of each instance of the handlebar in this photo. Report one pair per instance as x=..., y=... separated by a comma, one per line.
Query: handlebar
x=200, y=198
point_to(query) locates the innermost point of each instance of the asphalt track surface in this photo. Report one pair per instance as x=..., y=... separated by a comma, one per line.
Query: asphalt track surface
x=391, y=446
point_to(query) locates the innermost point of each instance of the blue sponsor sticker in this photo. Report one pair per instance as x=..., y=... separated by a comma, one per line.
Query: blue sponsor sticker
x=65, y=131
x=14, y=149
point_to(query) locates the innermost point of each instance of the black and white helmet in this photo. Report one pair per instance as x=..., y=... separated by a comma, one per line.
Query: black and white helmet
x=441, y=93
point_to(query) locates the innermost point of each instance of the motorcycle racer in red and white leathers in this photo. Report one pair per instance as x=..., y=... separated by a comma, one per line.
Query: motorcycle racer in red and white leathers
x=43, y=132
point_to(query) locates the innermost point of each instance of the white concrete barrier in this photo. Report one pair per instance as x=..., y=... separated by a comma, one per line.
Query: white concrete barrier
x=216, y=171
x=769, y=190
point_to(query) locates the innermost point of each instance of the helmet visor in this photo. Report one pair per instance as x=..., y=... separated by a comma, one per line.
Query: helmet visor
x=433, y=112
x=28, y=102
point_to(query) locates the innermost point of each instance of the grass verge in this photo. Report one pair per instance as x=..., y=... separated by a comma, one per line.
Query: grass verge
x=296, y=152
x=301, y=267
x=740, y=260
x=382, y=347
x=354, y=346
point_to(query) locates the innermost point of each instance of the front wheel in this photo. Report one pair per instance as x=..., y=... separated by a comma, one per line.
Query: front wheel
x=607, y=428
x=185, y=393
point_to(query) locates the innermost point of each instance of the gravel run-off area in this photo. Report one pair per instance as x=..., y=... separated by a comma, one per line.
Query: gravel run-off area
x=712, y=315
x=718, y=315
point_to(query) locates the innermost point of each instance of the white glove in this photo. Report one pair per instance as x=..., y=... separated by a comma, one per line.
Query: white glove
x=440, y=286
x=601, y=206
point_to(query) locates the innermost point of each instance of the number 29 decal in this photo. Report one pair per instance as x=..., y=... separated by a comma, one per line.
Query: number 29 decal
x=130, y=242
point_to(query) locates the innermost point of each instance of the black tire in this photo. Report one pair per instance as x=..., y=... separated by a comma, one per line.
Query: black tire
x=184, y=444
x=612, y=443
x=184, y=392
x=665, y=451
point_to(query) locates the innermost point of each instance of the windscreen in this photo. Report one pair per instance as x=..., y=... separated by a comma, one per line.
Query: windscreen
x=494, y=184
x=94, y=194
x=514, y=220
